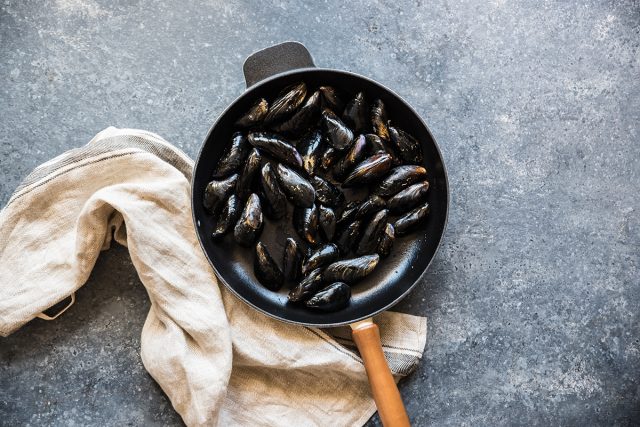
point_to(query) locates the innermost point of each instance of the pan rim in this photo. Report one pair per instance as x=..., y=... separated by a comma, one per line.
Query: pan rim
x=351, y=74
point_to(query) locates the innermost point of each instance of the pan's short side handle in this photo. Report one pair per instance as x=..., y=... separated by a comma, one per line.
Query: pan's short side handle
x=384, y=389
x=274, y=60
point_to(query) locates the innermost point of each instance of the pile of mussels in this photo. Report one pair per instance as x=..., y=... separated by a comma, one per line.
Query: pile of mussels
x=299, y=149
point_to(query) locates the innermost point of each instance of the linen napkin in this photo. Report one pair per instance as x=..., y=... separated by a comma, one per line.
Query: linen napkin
x=219, y=361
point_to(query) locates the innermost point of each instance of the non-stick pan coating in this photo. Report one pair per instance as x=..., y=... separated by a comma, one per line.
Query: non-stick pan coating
x=393, y=277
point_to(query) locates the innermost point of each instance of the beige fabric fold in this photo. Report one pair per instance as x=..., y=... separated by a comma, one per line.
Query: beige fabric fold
x=219, y=361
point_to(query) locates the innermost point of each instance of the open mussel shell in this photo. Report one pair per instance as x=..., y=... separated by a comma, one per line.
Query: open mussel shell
x=216, y=192
x=255, y=115
x=327, y=193
x=332, y=298
x=386, y=241
x=400, y=178
x=229, y=216
x=303, y=118
x=406, y=145
x=292, y=260
x=266, y=269
x=330, y=98
x=339, y=134
x=304, y=290
x=310, y=148
x=349, y=236
x=251, y=168
x=324, y=255
x=406, y=223
x=354, y=156
x=370, y=206
x=276, y=147
x=408, y=198
x=276, y=202
x=379, y=119
x=355, y=113
x=369, y=170
x=327, y=219
x=305, y=222
x=372, y=233
x=234, y=157
x=297, y=189
x=350, y=270
x=286, y=103
x=249, y=226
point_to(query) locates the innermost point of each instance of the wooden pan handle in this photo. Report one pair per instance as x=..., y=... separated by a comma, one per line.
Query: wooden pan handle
x=384, y=389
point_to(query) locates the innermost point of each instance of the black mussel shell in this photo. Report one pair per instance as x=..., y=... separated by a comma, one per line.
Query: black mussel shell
x=327, y=218
x=267, y=270
x=386, y=241
x=369, y=170
x=249, y=226
x=286, y=103
x=216, y=192
x=229, y=216
x=348, y=214
x=276, y=147
x=379, y=119
x=310, y=148
x=334, y=297
x=322, y=256
x=405, y=223
x=233, y=157
x=399, y=178
x=251, y=168
x=305, y=221
x=354, y=156
x=350, y=270
x=307, y=287
x=375, y=144
x=339, y=135
x=255, y=115
x=406, y=145
x=355, y=113
x=303, y=118
x=297, y=189
x=330, y=98
x=276, y=202
x=328, y=158
x=349, y=236
x=408, y=198
x=292, y=260
x=327, y=193
x=370, y=206
x=372, y=233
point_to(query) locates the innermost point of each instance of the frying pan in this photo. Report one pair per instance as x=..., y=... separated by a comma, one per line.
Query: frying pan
x=266, y=73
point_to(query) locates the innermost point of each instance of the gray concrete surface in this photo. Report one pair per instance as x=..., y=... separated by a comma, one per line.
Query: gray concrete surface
x=533, y=299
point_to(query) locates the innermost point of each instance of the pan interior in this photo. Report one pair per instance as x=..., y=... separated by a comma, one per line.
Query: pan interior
x=394, y=275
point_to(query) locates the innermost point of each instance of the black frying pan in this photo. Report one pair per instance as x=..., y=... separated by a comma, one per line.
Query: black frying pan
x=266, y=73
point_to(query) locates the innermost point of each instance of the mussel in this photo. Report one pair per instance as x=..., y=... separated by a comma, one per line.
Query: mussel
x=386, y=241
x=409, y=149
x=405, y=223
x=275, y=201
x=286, y=103
x=276, y=147
x=297, y=189
x=349, y=236
x=322, y=256
x=354, y=156
x=327, y=193
x=303, y=118
x=249, y=226
x=229, y=216
x=348, y=214
x=292, y=260
x=251, y=168
x=332, y=298
x=350, y=270
x=372, y=233
x=355, y=113
x=375, y=144
x=254, y=115
x=267, y=270
x=408, y=198
x=340, y=136
x=216, y=192
x=305, y=221
x=307, y=287
x=370, y=206
x=399, y=178
x=329, y=157
x=310, y=149
x=327, y=219
x=330, y=98
x=233, y=157
x=379, y=119
x=369, y=170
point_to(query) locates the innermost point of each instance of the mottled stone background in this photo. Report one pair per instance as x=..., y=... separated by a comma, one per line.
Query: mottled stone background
x=533, y=301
